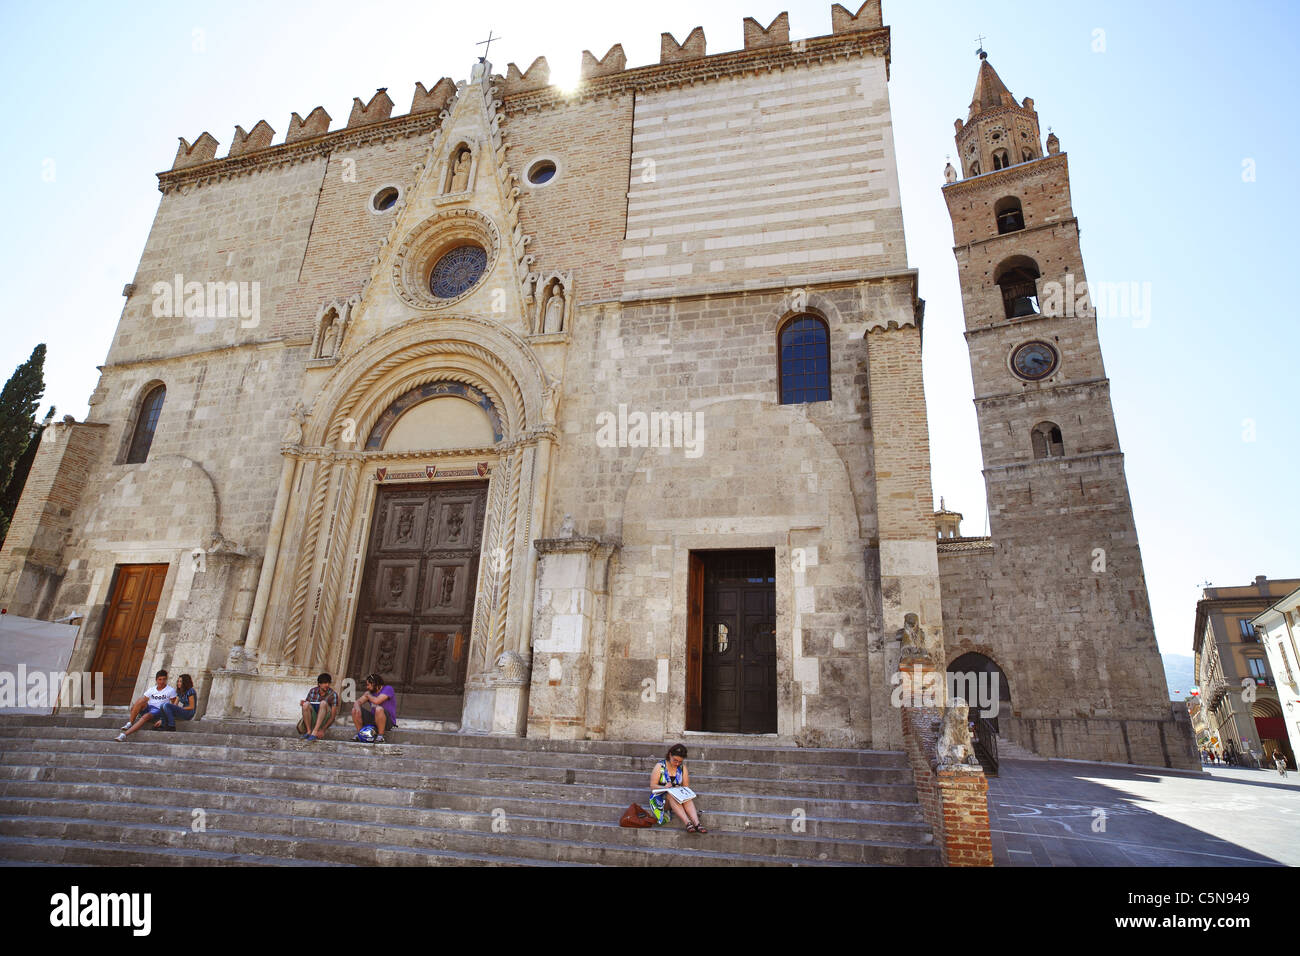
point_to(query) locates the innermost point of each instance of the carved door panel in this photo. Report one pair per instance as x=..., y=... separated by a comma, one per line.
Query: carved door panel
x=417, y=594
x=125, y=633
x=739, y=659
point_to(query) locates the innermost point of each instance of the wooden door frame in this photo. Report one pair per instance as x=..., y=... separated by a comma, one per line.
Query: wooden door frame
x=695, y=642
x=114, y=598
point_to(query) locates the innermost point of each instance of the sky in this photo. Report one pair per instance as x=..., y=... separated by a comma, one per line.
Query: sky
x=1177, y=118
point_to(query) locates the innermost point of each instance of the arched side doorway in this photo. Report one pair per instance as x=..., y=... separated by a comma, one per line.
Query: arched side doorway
x=982, y=683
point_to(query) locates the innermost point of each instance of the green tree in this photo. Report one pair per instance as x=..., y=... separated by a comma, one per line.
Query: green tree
x=18, y=403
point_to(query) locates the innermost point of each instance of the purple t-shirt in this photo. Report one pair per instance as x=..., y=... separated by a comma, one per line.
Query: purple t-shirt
x=389, y=705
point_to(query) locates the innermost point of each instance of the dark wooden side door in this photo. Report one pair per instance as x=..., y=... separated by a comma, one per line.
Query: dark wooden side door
x=125, y=632
x=417, y=594
x=739, y=642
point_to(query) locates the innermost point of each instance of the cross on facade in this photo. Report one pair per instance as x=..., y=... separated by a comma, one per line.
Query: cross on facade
x=487, y=46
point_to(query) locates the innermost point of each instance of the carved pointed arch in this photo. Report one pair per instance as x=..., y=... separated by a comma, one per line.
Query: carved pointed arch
x=454, y=348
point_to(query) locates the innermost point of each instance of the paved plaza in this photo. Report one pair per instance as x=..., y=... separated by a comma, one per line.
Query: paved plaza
x=1068, y=813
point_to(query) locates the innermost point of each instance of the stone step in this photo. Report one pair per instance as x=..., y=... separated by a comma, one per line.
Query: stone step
x=70, y=793
x=376, y=771
x=463, y=792
x=423, y=759
x=467, y=832
x=652, y=750
x=26, y=797
x=389, y=845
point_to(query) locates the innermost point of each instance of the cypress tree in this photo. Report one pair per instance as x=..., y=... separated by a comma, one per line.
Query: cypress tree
x=18, y=403
x=14, y=489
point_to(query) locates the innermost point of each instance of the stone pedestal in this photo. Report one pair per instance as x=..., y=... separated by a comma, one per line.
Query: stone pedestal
x=953, y=797
x=497, y=702
x=567, y=695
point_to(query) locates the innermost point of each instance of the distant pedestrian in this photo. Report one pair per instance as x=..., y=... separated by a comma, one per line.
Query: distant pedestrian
x=1279, y=761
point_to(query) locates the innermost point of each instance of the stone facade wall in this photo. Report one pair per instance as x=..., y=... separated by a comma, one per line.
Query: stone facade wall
x=784, y=177
x=753, y=474
x=578, y=218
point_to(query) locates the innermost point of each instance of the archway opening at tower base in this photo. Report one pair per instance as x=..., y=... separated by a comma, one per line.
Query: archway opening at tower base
x=980, y=682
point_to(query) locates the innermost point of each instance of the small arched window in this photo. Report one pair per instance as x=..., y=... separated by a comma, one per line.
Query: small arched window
x=1047, y=441
x=803, y=347
x=1011, y=217
x=1000, y=159
x=975, y=167
x=1026, y=154
x=1018, y=280
x=145, y=425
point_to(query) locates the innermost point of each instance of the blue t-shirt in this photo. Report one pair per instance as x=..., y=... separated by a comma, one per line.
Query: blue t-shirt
x=185, y=701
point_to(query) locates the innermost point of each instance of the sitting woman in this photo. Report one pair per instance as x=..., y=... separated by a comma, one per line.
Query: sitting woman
x=672, y=772
x=185, y=707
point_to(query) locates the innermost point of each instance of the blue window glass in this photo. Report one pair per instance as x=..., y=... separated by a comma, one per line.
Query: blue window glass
x=805, y=362
x=457, y=271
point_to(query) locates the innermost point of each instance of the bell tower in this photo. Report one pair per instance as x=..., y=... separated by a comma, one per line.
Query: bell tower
x=1060, y=597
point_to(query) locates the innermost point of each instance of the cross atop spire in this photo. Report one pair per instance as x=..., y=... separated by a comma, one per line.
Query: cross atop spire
x=980, y=52
x=487, y=46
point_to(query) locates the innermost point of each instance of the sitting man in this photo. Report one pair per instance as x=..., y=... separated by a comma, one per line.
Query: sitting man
x=319, y=709
x=378, y=706
x=149, y=708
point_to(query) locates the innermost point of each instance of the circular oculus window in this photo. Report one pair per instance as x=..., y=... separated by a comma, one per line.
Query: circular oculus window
x=541, y=172
x=385, y=199
x=1034, y=361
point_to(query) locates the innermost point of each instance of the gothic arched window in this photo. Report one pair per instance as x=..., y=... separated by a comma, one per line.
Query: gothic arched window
x=145, y=425
x=803, y=347
x=1047, y=441
x=1000, y=159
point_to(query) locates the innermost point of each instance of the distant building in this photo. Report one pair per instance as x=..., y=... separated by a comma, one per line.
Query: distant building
x=1237, y=685
x=1278, y=631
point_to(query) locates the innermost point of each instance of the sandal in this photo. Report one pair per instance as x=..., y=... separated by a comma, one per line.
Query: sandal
x=699, y=828
x=692, y=828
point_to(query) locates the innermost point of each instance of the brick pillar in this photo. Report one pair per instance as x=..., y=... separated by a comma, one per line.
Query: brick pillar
x=954, y=799
x=30, y=564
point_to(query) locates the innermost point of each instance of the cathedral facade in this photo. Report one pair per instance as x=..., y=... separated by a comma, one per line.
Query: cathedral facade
x=599, y=414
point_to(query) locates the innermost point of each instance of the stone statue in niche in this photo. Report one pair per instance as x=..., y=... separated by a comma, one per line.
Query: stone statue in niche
x=293, y=427
x=566, y=528
x=550, y=403
x=554, y=315
x=329, y=336
x=911, y=636
x=460, y=172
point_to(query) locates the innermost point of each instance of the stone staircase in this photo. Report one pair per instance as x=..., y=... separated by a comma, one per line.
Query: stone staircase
x=71, y=794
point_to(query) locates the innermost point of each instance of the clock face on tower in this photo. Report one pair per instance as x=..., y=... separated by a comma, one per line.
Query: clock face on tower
x=1034, y=361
